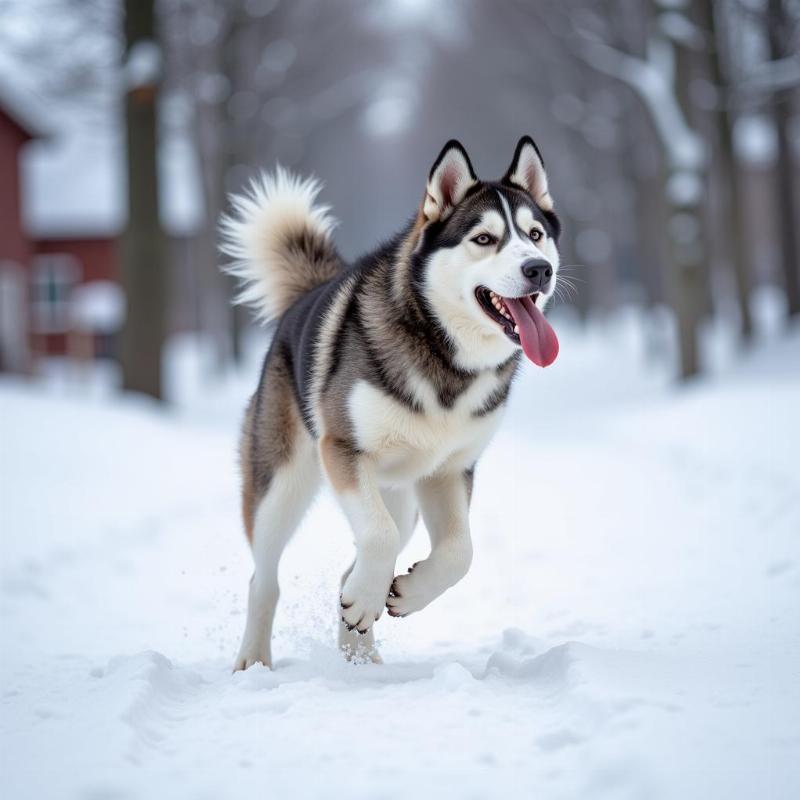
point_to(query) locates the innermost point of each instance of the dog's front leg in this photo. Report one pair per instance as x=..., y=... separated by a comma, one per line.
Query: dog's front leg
x=352, y=477
x=444, y=502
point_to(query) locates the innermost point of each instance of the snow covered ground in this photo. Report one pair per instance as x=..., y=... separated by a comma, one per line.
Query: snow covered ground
x=630, y=627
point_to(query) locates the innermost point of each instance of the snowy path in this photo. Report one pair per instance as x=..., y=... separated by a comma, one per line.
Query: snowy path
x=629, y=630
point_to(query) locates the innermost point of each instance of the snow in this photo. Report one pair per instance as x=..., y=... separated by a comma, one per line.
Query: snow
x=628, y=629
x=74, y=184
x=685, y=189
x=681, y=30
x=143, y=65
x=74, y=181
x=97, y=306
x=755, y=140
x=653, y=78
x=23, y=106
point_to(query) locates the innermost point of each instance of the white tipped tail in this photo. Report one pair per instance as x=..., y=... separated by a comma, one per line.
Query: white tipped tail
x=279, y=241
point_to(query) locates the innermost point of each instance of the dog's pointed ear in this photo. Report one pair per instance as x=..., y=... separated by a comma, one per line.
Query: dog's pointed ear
x=527, y=172
x=450, y=178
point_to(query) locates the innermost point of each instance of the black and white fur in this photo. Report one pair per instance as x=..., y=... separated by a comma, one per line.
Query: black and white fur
x=387, y=377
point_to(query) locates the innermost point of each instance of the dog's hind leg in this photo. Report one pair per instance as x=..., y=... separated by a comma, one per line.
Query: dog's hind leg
x=280, y=472
x=402, y=506
x=278, y=514
x=444, y=501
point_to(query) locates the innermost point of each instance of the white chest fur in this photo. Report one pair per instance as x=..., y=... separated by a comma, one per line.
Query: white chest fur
x=406, y=444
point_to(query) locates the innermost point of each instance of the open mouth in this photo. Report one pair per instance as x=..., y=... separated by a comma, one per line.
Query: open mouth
x=494, y=306
x=522, y=321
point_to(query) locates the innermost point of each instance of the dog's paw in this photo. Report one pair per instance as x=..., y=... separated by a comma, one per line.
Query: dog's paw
x=362, y=599
x=411, y=592
x=360, y=613
x=248, y=657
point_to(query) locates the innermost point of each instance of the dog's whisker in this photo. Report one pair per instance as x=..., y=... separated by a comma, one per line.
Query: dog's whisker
x=566, y=287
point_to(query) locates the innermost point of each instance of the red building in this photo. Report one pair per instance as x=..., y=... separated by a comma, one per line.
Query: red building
x=17, y=128
x=73, y=210
x=62, y=212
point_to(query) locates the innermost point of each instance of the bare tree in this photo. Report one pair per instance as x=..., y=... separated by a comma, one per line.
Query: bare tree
x=143, y=244
x=658, y=78
x=262, y=80
x=727, y=173
x=781, y=30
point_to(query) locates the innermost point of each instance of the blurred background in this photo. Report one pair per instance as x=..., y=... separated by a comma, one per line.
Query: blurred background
x=628, y=628
x=670, y=131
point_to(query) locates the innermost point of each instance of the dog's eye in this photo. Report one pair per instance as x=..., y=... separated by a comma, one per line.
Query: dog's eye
x=536, y=234
x=484, y=239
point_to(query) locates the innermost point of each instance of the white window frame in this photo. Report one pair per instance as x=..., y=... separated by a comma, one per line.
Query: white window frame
x=53, y=277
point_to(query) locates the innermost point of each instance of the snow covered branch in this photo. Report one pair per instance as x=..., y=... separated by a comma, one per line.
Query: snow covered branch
x=653, y=79
x=773, y=76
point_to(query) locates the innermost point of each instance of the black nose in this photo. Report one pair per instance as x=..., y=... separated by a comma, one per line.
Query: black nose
x=538, y=271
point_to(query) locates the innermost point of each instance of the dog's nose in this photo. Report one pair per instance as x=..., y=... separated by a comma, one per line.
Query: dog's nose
x=539, y=272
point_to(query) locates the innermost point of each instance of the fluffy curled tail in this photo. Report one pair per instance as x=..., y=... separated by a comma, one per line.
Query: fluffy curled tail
x=279, y=241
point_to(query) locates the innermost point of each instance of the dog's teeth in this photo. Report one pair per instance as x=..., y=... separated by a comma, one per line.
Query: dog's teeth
x=516, y=329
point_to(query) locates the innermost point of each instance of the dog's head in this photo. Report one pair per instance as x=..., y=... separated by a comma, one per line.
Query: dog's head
x=487, y=256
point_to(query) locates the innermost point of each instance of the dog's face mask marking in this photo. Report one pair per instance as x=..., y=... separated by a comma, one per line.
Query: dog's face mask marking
x=491, y=256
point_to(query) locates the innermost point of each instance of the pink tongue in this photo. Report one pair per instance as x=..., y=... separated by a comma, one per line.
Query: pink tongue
x=539, y=340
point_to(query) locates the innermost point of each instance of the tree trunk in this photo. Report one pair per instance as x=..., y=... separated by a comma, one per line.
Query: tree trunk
x=143, y=243
x=689, y=279
x=734, y=223
x=788, y=212
x=779, y=29
x=236, y=314
x=686, y=288
x=229, y=67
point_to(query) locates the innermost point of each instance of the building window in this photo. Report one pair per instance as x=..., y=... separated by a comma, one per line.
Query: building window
x=54, y=278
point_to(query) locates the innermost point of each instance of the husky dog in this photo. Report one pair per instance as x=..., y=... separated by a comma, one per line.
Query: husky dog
x=387, y=376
